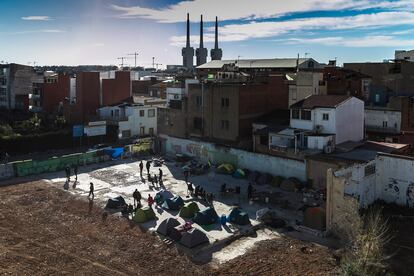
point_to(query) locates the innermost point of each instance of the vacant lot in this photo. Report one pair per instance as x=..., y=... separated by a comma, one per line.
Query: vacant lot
x=45, y=230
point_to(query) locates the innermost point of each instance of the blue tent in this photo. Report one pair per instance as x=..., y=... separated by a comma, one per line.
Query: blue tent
x=115, y=153
x=206, y=216
x=238, y=216
x=174, y=203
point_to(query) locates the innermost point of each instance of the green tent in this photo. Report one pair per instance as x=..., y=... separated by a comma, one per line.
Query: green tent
x=189, y=210
x=149, y=213
x=144, y=214
x=139, y=216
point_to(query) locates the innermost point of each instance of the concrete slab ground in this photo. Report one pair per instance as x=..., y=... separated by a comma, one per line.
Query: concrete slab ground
x=122, y=177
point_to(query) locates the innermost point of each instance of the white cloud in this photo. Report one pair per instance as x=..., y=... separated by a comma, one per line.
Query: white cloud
x=37, y=18
x=35, y=31
x=368, y=41
x=251, y=30
x=247, y=9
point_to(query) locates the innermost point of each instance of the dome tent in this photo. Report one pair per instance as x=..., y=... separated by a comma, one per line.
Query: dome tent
x=166, y=225
x=189, y=210
x=174, y=203
x=115, y=203
x=193, y=237
x=144, y=214
x=206, y=216
x=238, y=216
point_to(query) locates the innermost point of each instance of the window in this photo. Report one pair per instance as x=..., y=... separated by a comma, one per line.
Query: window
x=117, y=113
x=225, y=124
x=112, y=113
x=151, y=131
x=142, y=130
x=198, y=101
x=370, y=169
x=325, y=116
x=151, y=112
x=306, y=115
x=3, y=81
x=198, y=123
x=384, y=124
x=126, y=133
x=377, y=98
x=141, y=113
x=295, y=113
x=225, y=102
x=176, y=97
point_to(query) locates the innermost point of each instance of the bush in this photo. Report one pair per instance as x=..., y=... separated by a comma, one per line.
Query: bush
x=367, y=239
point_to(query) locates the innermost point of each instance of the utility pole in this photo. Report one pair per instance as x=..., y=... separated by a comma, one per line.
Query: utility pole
x=122, y=61
x=135, y=54
x=153, y=62
x=34, y=63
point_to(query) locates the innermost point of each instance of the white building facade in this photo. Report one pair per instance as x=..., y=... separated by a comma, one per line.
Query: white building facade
x=133, y=120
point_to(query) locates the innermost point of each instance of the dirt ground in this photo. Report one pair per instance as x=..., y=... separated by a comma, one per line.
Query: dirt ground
x=45, y=230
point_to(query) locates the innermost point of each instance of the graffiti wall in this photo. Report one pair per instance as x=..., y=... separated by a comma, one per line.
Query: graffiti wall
x=395, y=176
x=242, y=159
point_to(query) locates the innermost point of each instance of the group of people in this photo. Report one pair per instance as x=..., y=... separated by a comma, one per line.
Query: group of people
x=68, y=172
x=155, y=180
x=199, y=192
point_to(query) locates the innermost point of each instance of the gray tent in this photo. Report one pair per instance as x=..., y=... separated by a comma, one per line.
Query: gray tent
x=166, y=225
x=193, y=237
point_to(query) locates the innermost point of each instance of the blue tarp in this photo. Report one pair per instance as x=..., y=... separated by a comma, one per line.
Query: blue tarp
x=115, y=153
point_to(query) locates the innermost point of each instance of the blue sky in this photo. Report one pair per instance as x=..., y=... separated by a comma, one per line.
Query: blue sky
x=75, y=32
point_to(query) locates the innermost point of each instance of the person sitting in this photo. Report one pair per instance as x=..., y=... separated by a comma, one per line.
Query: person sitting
x=159, y=199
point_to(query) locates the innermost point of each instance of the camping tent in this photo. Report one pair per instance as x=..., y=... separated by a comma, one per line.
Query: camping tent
x=175, y=233
x=315, y=217
x=239, y=173
x=166, y=225
x=193, y=237
x=206, y=217
x=226, y=168
x=144, y=214
x=162, y=195
x=115, y=203
x=238, y=216
x=189, y=210
x=174, y=203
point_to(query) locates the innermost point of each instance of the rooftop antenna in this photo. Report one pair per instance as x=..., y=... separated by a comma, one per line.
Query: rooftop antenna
x=122, y=61
x=135, y=54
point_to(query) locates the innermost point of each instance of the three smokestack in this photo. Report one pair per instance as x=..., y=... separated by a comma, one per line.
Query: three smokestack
x=201, y=52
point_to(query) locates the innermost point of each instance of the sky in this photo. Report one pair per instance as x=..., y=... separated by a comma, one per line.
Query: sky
x=78, y=32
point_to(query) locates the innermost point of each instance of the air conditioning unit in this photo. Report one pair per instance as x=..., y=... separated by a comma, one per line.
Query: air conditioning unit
x=318, y=128
x=328, y=149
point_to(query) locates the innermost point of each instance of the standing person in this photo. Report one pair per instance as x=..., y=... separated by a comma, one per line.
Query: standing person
x=91, y=189
x=148, y=165
x=249, y=191
x=160, y=175
x=141, y=168
x=150, y=201
x=155, y=180
x=137, y=198
x=67, y=169
x=75, y=171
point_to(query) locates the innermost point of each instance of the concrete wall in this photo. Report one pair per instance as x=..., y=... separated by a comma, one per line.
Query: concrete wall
x=242, y=159
x=375, y=118
x=350, y=121
x=395, y=179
